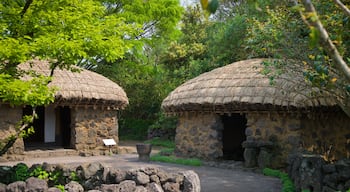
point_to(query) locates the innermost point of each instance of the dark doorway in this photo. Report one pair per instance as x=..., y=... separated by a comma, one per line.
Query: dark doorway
x=63, y=134
x=39, y=123
x=233, y=136
x=61, y=121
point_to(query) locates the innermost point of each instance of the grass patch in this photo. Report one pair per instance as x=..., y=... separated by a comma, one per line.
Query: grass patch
x=166, y=154
x=176, y=160
x=287, y=183
x=161, y=143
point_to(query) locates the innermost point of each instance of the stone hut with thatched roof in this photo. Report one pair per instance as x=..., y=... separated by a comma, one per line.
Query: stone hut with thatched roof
x=235, y=112
x=83, y=114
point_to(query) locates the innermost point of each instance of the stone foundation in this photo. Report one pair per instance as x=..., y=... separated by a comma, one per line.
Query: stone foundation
x=90, y=127
x=9, y=118
x=280, y=131
x=270, y=136
x=199, y=135
x=313, y=173
x=328, y=136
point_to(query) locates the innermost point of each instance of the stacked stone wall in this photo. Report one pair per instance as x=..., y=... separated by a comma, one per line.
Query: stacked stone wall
x=199, y=135
x=90, y=127
x=327, y=135
x=313, y=173
x=279, y=133
x=10, y=116
x=95, y=177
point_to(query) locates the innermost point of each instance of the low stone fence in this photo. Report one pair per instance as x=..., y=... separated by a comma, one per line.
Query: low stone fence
x=95, y=177
x=311, y=172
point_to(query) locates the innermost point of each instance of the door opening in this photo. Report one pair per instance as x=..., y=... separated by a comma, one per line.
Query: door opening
x=38, y=136
x=233, y=136
x=63, y=129
x=52, y=128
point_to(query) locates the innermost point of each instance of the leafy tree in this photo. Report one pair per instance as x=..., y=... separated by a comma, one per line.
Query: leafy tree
x=64, y=32
x=140, y=72
x=319, y=49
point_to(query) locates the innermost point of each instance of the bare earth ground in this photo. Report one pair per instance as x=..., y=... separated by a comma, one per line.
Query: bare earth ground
x=212, y=179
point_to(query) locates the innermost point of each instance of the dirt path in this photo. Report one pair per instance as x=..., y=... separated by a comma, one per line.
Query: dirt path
x=212, y=179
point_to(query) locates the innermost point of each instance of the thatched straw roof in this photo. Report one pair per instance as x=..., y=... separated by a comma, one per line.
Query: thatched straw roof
x=242, y=87
x=84, y=88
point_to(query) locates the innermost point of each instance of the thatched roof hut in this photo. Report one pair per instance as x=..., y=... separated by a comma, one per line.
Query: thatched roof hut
x=223, y=108
x=83, y=117
x=241, y=86
x=81, y=88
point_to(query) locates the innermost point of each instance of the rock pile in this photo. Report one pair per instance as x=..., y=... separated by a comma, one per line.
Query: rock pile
x=313, y=173
x=94, y=177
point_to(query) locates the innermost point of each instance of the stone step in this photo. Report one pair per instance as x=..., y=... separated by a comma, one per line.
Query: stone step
x=50, y=153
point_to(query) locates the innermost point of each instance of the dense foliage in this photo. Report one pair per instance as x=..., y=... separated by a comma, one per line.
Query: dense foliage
x=151, y=47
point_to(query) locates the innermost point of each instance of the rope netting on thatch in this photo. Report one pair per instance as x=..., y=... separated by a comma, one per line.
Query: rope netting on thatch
x=81, y=88
x=241, y=86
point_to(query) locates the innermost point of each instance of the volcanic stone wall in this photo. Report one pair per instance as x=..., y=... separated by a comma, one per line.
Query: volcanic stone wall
x=199, y=135
x=9, y=117
x=90, y=127
x=327, y=135
x=279, y=133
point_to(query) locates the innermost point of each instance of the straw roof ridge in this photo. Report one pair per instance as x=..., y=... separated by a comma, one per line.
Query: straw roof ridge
x=241, y=86
x=81, y=88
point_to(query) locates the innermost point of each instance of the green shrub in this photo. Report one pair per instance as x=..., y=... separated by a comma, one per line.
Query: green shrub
x=21, y=172
x=40, y=173
x=176, y=160
x=161, y=143
x=133, y=129
x=287, y=183
x=166, y=152
x=164, y=122
x=60, y=187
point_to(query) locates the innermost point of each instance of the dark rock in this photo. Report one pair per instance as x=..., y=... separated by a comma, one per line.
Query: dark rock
x=36, y=185
x=294, y=127
x=191, y=182
x=171, y=187
x=347, y=184
x=328, y=189
x=18, y=186
x=331, y=180
x=264, y=158
x=248, y=131
x=127, y=186
x=73, y=186
x=115, y=176
x=329, y=168
x=5, y=174
x=250, y=157
x=92, y=174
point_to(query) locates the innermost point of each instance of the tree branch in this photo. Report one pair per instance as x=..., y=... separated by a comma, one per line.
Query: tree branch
x=12, y=138
x=343, y=7
x=325, y=40
x=26, y=7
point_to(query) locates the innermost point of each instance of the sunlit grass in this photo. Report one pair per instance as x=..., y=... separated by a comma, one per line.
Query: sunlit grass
x=176, y=160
